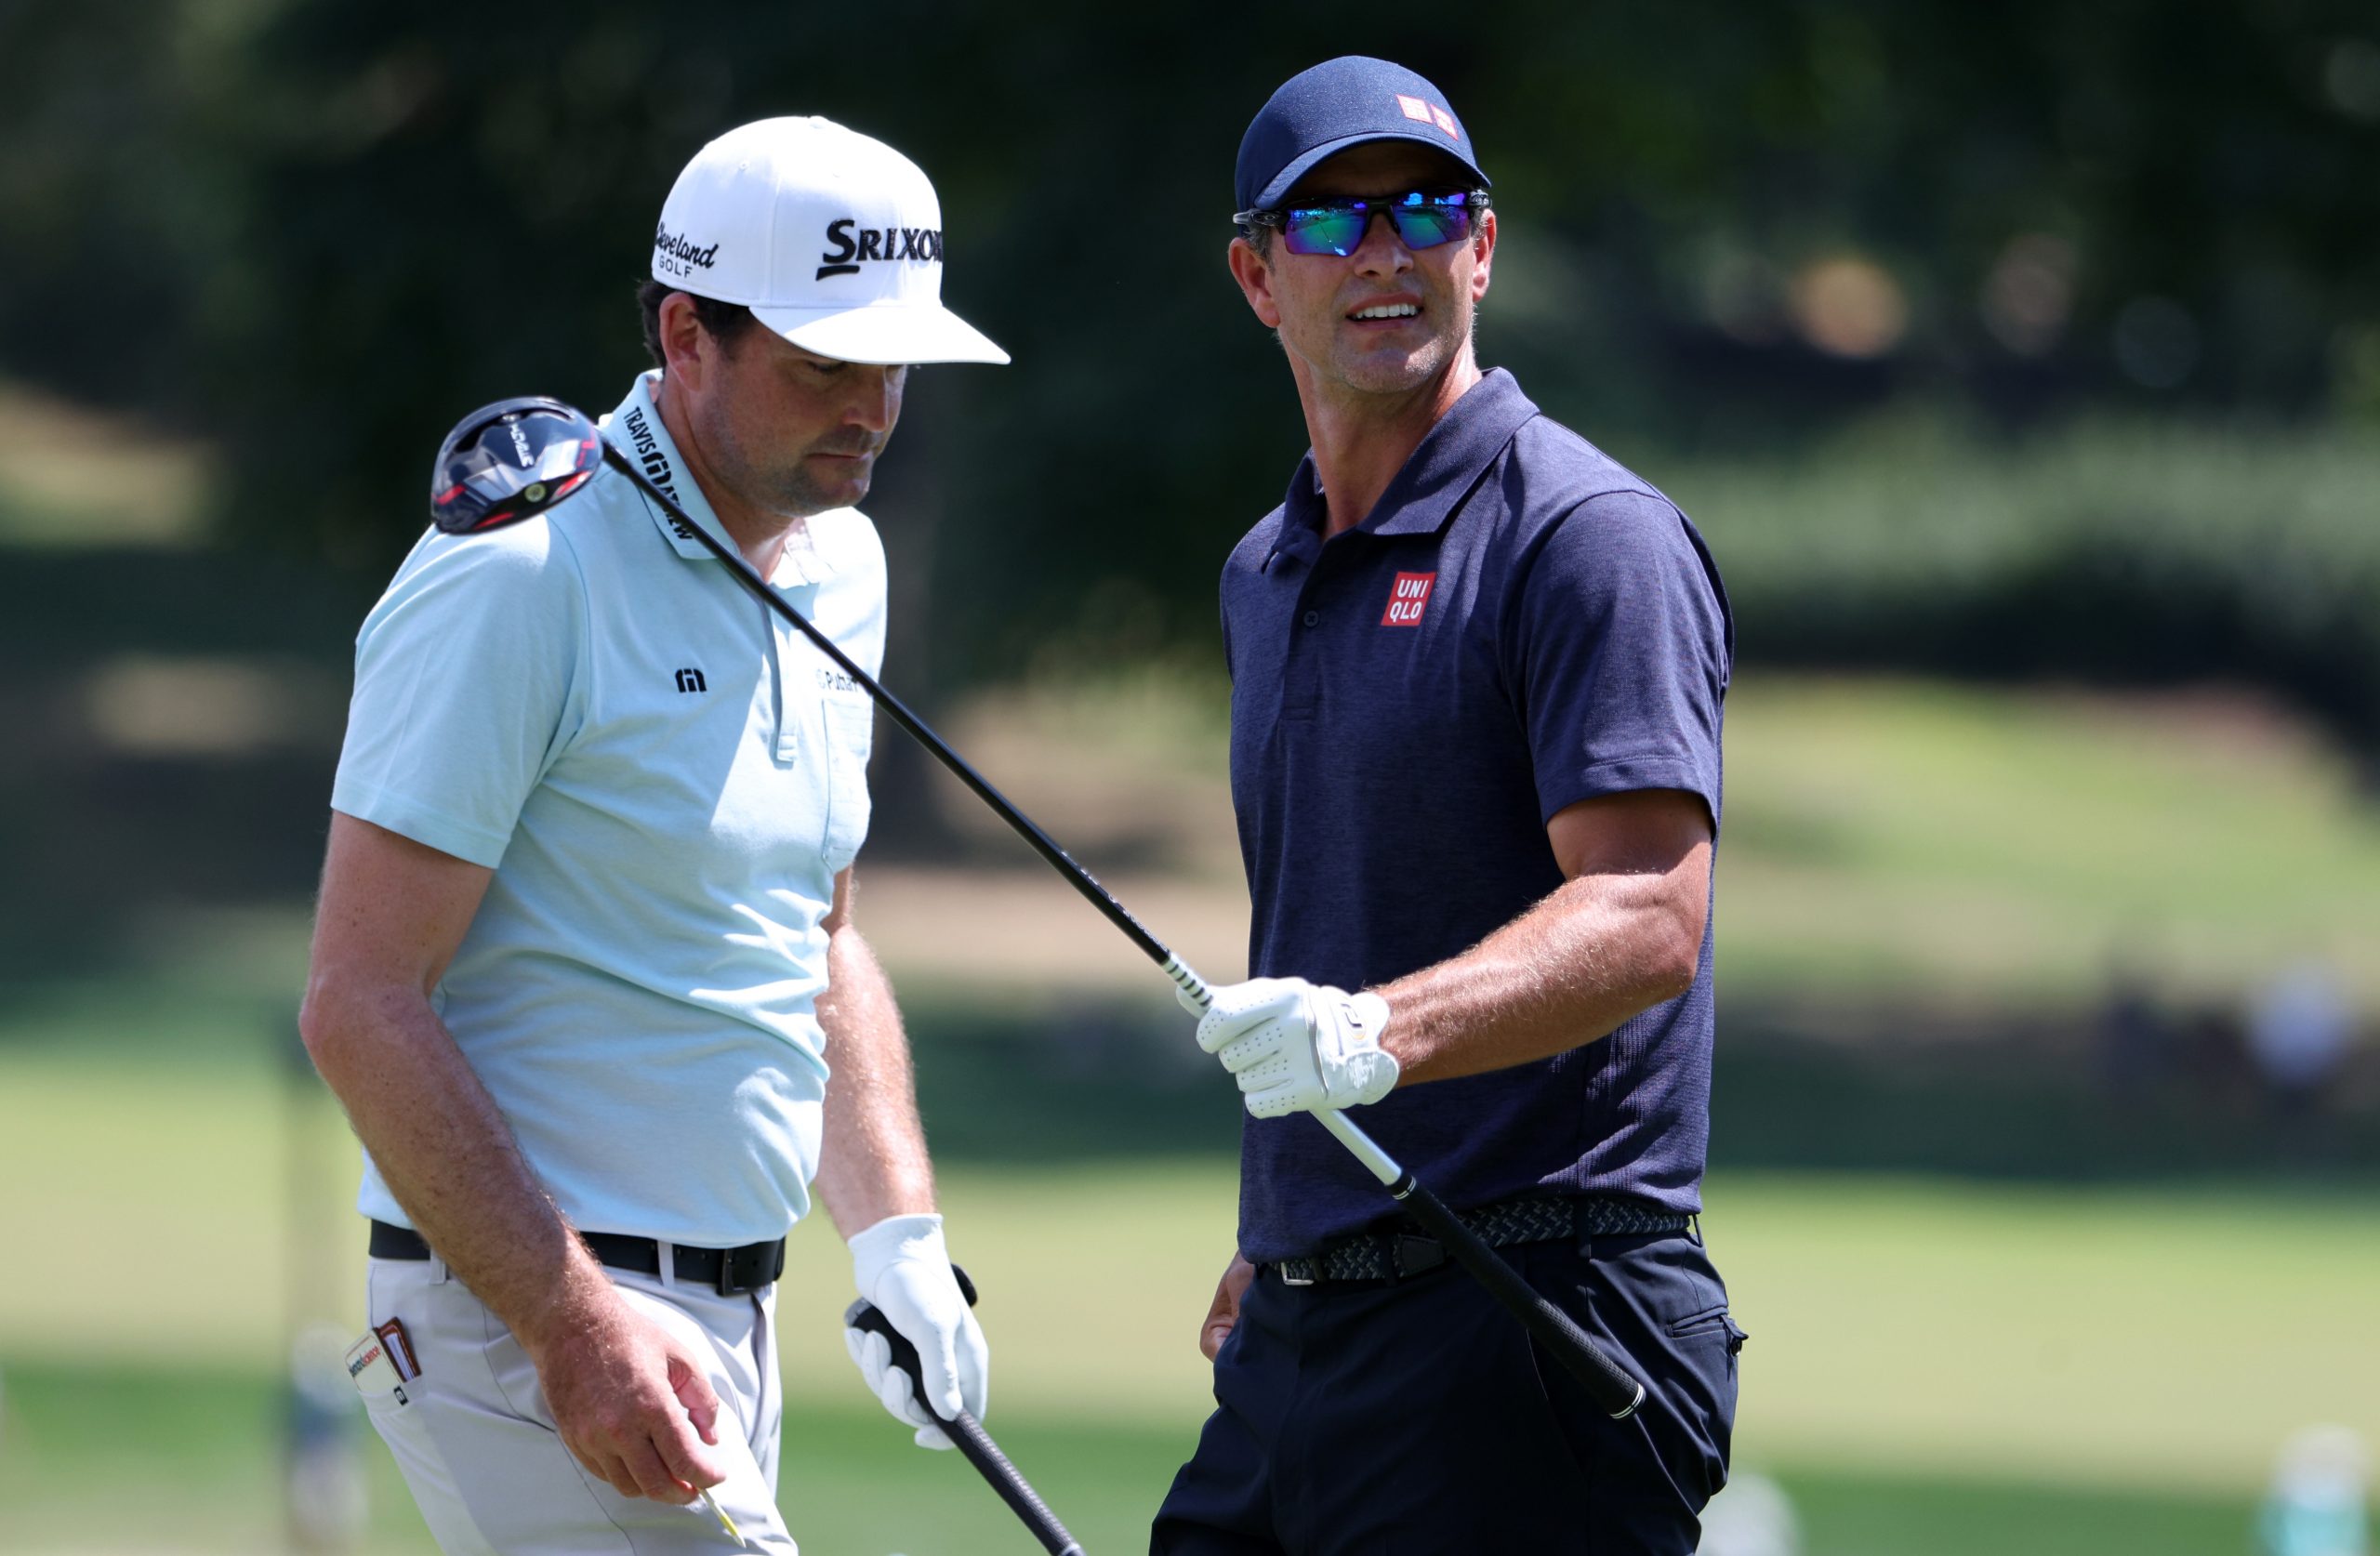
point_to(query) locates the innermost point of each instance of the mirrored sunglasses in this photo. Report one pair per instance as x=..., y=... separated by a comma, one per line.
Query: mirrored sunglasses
x=1420, y=219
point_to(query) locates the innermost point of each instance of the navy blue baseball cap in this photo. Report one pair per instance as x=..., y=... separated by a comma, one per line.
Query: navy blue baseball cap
x=1339, y=103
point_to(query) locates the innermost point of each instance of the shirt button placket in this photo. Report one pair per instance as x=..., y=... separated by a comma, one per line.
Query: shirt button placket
x=1300, y=673
x=788, y=738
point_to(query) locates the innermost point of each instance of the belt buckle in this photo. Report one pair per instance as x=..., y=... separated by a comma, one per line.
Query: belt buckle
x=1287, y=1279
x=1411, y=1254
x=745, y=1269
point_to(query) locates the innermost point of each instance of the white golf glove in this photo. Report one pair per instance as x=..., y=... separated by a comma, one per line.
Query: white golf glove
x=1296, y=1046
x=900, y=1264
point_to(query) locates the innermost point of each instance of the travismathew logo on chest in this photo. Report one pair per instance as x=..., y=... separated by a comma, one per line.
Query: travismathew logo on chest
x=1408, y=597
x=849, y=245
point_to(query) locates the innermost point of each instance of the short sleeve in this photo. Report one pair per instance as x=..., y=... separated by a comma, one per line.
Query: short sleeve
x=1621, y=654
x=469, y=675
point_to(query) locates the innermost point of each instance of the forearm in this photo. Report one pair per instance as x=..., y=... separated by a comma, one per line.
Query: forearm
x=872, y=1160
x=445, y=1151
x=1588, y=957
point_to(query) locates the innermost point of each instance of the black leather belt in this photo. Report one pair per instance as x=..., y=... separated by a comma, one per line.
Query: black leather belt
x=1398, y=1251
x=730, y=1272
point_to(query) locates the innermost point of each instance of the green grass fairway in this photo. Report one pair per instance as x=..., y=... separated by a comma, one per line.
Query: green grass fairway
x=1948, y=842
x=1935, y=1367
x=171, y=1462
x=2158, y=1341
x=2152, y=1338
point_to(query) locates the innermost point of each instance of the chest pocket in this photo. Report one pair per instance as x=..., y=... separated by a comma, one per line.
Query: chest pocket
x=850, y=730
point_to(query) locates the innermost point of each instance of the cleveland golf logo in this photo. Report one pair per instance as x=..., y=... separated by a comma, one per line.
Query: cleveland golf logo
x=675, y=254
x=850, y=246
x=1406, y=598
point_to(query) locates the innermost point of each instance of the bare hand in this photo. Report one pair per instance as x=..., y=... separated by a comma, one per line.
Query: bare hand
x=630, y=1399
x=1223, y=1317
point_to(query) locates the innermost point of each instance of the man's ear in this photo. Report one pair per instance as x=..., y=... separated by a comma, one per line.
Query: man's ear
x=686, y=347
x=1254, y=274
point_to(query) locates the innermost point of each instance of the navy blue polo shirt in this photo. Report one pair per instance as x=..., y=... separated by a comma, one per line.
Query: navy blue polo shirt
x=1520, y=623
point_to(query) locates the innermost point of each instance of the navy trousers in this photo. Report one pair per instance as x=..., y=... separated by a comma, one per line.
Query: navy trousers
x=1418, y=1419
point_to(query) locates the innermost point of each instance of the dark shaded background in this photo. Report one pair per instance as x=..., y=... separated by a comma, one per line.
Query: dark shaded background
x=320, y=231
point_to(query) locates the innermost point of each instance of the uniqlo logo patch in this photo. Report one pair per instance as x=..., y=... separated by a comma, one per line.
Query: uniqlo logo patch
x=1427, y=112
x=1406, y=598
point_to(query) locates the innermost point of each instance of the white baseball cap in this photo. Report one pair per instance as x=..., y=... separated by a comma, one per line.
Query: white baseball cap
x=832, y=240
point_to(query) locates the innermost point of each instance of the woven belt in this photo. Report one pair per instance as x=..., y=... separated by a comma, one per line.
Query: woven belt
x=1397, y=1253
x=730, y=1272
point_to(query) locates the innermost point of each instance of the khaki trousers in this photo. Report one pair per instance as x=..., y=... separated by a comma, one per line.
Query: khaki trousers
x=480, y=1451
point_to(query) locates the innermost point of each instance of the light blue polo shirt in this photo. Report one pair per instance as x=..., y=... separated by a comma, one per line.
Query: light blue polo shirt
x=665, y=779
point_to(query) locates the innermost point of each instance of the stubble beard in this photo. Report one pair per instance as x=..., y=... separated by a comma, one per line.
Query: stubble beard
x=790, y=491
x=1370, y=374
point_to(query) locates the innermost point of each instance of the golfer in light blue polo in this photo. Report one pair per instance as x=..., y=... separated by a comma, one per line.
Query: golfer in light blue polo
x=584, y=969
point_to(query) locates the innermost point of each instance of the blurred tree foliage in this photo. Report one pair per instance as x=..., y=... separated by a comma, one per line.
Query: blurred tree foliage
x=319, y=229
x=2124, y=554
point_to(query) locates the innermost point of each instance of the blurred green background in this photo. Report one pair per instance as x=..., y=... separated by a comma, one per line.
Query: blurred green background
x=2021, y=364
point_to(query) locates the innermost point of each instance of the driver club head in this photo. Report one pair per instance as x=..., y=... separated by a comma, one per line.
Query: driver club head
x=511, y=460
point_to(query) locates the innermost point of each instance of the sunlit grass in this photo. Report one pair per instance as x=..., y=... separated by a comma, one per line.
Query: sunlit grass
x=73, y=476
x=2144, y=1338
x=1965, y=844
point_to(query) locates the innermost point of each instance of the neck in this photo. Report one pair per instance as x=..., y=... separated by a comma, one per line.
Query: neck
x=1361, y=441
x=760, y=534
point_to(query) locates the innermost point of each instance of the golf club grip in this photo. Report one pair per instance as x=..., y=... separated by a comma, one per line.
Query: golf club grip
x=894, y=709
x=993, y=1465
x=1615, y=1394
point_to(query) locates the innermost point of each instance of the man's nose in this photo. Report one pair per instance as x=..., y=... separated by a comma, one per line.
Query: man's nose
x=875, y=400
x=1381, y=251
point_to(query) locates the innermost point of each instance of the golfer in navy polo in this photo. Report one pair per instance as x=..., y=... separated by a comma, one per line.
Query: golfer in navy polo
x=1477, y=670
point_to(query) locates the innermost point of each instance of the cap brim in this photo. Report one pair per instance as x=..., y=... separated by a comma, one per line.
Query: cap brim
x=883, y=333
x=1273, y=193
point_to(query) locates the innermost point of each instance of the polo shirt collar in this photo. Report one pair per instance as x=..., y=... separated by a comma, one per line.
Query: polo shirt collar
x=637, y=431
x=1435, y=478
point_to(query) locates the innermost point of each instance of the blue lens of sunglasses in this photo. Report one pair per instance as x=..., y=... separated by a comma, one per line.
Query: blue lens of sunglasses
x=1337, y=226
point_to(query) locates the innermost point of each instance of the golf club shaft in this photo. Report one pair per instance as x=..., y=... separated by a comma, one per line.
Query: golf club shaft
x=919, y=731
x=1022, y=1500
x=1613, y=1390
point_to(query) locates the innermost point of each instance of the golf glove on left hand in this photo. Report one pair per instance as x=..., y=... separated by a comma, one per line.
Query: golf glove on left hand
x=901, y=1265
x=1296, y=1046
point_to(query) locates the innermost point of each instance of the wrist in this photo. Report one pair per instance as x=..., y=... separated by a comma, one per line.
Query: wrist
x=582, y=1304
x=1394, y=1034
x=895, y=1240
